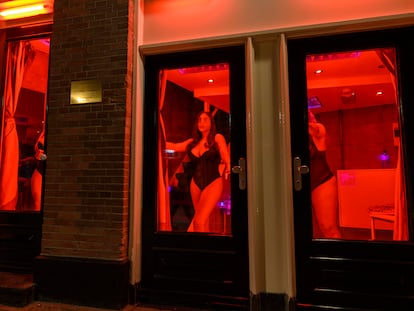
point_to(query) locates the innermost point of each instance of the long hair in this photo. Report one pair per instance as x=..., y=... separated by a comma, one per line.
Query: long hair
x=211, y=143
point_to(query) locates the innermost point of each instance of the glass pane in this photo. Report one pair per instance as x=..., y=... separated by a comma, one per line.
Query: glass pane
x=356, y=163
x=23, y=125
x=194, y=150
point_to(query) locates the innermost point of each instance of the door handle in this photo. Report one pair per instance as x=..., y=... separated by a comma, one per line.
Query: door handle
x=241, y=170
x=299, y=170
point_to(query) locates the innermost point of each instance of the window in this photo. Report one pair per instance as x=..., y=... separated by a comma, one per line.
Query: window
x=194, y=149
x=357, y=180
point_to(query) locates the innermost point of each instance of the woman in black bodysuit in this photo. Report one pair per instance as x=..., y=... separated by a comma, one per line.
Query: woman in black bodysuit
x=323, y=184
x=207, y=149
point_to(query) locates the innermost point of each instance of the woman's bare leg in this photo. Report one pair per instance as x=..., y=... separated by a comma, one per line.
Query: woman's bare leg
x=195, y=197
x=325, y=209
x=204, y=203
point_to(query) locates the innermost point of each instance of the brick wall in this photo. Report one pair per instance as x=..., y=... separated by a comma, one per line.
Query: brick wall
x=88, y=145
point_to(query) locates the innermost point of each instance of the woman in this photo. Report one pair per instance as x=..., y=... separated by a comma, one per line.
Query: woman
x=207, y=149
x=37, y=177
x=323, y=183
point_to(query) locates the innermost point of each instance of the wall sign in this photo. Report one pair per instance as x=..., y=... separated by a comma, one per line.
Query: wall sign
x=85, y=92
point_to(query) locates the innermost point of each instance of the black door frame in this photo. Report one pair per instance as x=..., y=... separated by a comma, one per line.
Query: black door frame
x=351, y=274
x=164, y=253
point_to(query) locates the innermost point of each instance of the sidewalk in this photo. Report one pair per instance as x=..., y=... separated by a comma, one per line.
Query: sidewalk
x=48, y=306
x=53, y=306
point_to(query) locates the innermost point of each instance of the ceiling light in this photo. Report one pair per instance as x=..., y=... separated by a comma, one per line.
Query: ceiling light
x=348, y=96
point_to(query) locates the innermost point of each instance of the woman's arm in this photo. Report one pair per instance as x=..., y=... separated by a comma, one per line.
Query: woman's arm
x=225, y=157
x=317, y=132
x=178, y=147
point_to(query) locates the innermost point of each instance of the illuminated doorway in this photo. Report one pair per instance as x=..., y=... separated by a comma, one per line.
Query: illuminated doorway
x=352, y=131
x=196, y=158
x=194, y=233
x=22, y=147
x=357, y=182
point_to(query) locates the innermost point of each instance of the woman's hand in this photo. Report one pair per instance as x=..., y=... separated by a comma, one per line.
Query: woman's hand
x=227, y=171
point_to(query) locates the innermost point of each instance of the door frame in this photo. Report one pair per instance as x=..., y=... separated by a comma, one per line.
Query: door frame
x=162, y=244
x=351, y=261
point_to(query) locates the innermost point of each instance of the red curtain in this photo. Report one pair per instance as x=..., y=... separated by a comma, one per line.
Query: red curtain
x=387, y=57
x=164, y=221
x=19, y=55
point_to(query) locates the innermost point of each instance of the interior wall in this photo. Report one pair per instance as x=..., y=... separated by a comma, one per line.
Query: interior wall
x=176, y=20
x=357, y=137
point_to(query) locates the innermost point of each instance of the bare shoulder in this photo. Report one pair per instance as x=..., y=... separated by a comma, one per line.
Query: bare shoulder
x=219, y=138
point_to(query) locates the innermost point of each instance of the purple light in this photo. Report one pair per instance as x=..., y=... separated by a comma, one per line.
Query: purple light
x=313, y=102
x=225, y=206
x=384, y=157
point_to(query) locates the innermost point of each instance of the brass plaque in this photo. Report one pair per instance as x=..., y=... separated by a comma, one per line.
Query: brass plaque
x=85, y=92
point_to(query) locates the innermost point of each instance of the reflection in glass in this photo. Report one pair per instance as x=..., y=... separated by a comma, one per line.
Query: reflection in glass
x=357, y=181
x=23, y=125
x=194, y=150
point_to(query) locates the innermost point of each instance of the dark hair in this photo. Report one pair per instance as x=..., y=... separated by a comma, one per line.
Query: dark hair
x=211, y=143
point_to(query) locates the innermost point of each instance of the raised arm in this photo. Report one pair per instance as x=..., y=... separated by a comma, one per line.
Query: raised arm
x=178, y=147
x=317, y=132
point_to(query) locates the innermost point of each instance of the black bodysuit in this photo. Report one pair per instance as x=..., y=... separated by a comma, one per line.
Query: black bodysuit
x=319, y=168
x=206, y=167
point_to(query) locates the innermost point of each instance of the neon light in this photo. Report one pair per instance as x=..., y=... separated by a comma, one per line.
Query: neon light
x=23, y=10
x=204, y=68
x=332, y=56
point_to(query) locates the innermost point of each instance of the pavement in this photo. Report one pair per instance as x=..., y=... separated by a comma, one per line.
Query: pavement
x=53, y=306
x=17, y=281
x=49, y=306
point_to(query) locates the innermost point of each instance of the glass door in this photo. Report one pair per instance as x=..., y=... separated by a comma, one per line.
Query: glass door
x=351, y=117
x=195, y=210
x=22, y=148
x=355, y=146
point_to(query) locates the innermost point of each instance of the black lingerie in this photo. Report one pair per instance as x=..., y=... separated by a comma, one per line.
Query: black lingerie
x=206, y=167
x=320, y=171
